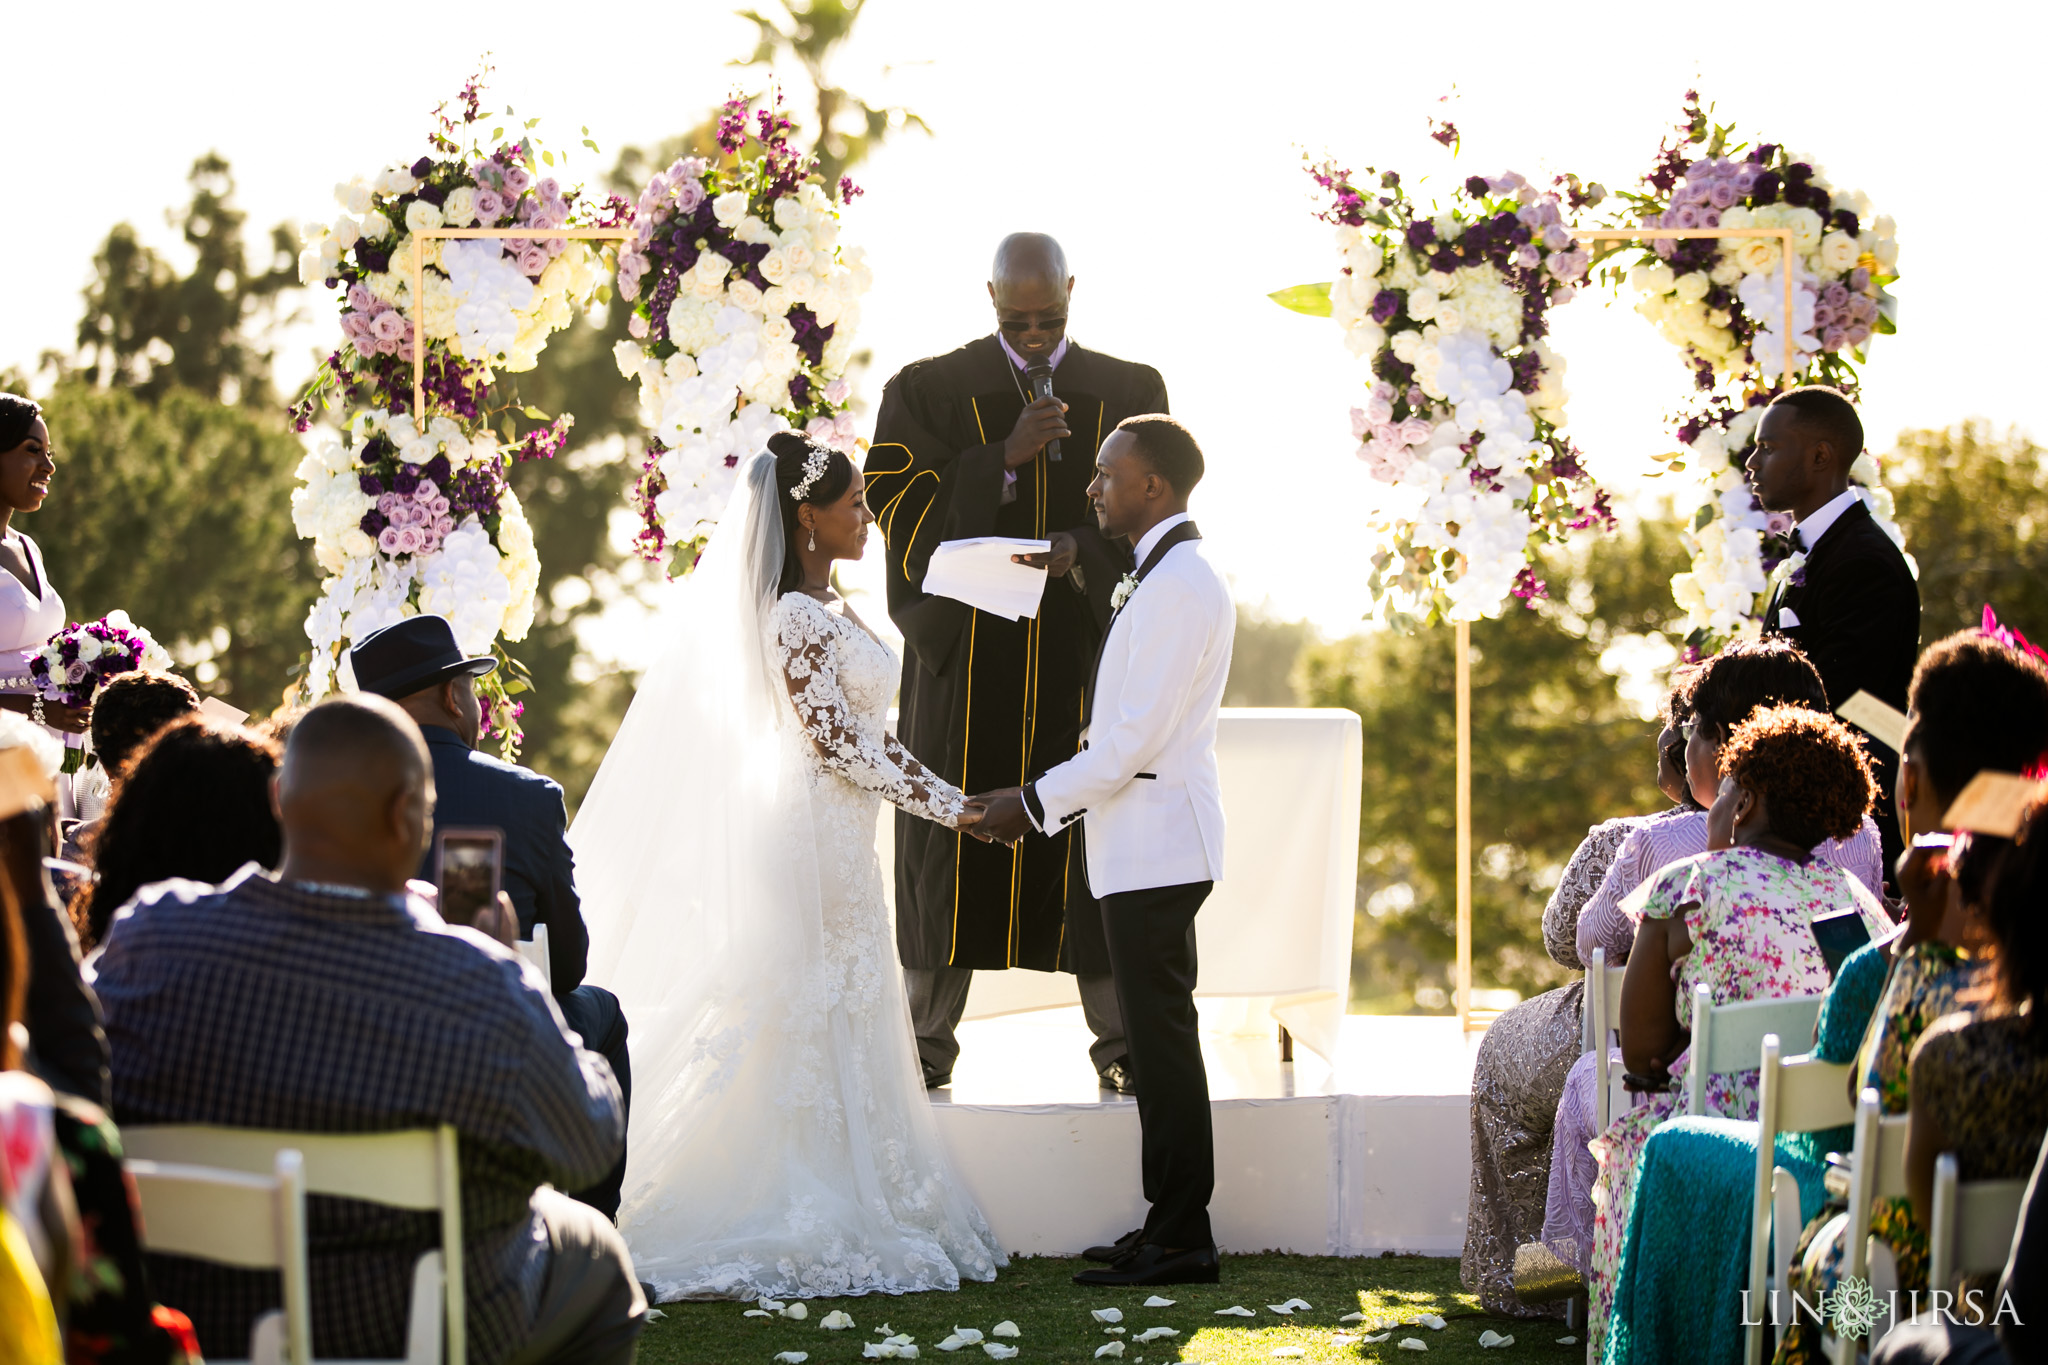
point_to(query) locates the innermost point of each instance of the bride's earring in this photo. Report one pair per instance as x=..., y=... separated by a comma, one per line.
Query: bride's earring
x=814, y=537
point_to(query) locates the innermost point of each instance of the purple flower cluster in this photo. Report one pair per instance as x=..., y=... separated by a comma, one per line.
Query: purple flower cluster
x=71, y=680
x=1845, y=315
x=544, y=443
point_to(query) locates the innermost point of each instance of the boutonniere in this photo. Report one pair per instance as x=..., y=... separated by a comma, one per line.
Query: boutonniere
x=1791, y=571
x=1126, y=585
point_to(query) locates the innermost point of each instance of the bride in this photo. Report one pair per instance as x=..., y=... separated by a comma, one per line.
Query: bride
x=782, y=1143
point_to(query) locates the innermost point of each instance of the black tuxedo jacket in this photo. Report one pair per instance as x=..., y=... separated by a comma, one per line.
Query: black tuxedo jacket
x=1857, y=610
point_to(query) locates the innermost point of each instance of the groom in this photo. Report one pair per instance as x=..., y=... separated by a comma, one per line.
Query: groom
x=1145, y=790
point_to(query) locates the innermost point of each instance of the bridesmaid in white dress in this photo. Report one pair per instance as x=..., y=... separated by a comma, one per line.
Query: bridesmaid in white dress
x=30, y=609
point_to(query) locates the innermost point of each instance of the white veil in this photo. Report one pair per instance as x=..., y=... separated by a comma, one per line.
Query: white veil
x=695, y=851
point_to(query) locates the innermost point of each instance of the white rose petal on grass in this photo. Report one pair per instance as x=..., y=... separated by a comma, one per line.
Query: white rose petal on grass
x=1005, y=1328
x=997, y=1351
x=1352, y=1317
x=1412, y=1344
x=797, y=1312
x=836, y=1321
x=655, y=1315
x=969, y=1336
x=951, y=1343
x=1108, y=1314
x=792, y=1357
x=1235, y=1311
x=1114, y=1331
x=1155, y=1333
x=1156, y=1302
x=1431, y=1321
x=1490, y=1339
x=1285, y=1310
x=1302, y=1304
x=1567, y=1341
x=757, y=1313
x=1374, y=1341
x=1111, y=1351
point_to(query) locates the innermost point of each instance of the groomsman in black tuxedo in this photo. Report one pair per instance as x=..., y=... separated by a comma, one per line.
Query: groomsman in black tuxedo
x=1846, y=597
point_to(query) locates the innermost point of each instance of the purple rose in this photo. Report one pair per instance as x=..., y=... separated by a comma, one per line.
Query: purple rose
x=1684, y=216
x=371, y=485
x=1723, y=195
x=387, y=540
x=1421, y=233
x=1835, y=295
x=1859, y=336
x=533, y=260
x=518, y=179
x=1767, y=186
x=435, y=471
x=1710, y=218
x=422, y=168
x=77, y=672
x=1444, y=260
x=1745, y=177
x=1386, y=305
x=1859, y=279
x=490, y=206
x=373, y=523
x=406, y=481
x=434, y=195
x=1834, y=338
x=1823, y=316
x=1476, y=186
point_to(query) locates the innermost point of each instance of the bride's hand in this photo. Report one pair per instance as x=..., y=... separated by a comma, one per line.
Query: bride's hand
x=969, y=817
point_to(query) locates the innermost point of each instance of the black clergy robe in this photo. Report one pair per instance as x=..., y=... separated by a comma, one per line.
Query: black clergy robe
x=986, y=702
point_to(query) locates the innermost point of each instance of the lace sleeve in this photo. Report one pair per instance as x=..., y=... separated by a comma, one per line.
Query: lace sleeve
x=806, y=650
x=1582, y=876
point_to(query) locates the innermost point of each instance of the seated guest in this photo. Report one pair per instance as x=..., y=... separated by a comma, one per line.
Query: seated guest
x=1979, y=1083
x=1727, y=690
x=416, y=663
x=1737, y=919
x=194, y=803
x=2019, y=1337
x=1524, y=1055
x=326, y=998
x=1974, y=705
x=127, y=712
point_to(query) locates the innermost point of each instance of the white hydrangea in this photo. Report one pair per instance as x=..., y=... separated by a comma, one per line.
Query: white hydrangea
x=464, y=582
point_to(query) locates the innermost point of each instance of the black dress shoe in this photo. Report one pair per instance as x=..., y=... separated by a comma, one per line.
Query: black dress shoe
x=1117, y=1077
x=1115, y=1251
x=1151, y=1264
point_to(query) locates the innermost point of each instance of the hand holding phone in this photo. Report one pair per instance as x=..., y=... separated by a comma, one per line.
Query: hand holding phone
x=469, y=869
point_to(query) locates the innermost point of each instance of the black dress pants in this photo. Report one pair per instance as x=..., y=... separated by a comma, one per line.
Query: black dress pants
x=593, y=1013
x=1151, y=937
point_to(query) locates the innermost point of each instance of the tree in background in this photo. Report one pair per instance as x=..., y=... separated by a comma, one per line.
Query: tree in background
x=177, y=508
x=848, y=127
x=149, y=329
x=172, y=498
x=1974, y=506
x=1554, y=749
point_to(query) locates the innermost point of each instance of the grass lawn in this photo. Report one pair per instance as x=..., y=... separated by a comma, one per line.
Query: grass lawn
x=1037, y=1294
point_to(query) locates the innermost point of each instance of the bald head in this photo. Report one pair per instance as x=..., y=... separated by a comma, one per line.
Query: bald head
x=355, y=794
x=1031, y=289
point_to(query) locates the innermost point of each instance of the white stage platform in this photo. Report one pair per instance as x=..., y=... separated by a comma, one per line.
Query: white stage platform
x=1370, y=1153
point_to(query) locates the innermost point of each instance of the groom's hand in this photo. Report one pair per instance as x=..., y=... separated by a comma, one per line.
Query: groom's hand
x=1004, y=818
x=1056, y=561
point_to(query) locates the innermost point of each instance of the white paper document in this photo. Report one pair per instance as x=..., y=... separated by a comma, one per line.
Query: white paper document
x=979, y=573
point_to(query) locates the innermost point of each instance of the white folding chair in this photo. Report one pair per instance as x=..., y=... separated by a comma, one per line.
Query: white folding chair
x=1796, y=1095
x=1602, y=1015
x=1974, y=1223
x=237, y=1218
x=1877, y=1170
x=1729, y=1038
x=410, y=1169
x=535, y=950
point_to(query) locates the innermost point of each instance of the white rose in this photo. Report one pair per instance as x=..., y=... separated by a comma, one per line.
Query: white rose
x=1838, y=252
x=730, y=208
x=1692, y=287
x=775, y=300
x=354, y=196
x=460, y=210
x=790, y=214
x=777, y=329
x=626, y=355
x=1806, y=228
x=775, y=266
x=396, y=180
x=346, y=232
x=1864, y=471
x=1726, y=271
x=1887, y=254
x=1755, y=254
x=799, y=255
x=420, y=216
x=376, y=226
x=743, y=294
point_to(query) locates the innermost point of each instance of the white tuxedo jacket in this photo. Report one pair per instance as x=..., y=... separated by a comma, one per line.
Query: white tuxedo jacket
x=1145, y=782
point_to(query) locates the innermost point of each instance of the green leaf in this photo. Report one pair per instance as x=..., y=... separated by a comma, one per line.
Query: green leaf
x=536, y=414
x=530, y=122
x=497, y=134
x=1703, y=516
x=1312, y=299
x=548, y=157
x=593, y=147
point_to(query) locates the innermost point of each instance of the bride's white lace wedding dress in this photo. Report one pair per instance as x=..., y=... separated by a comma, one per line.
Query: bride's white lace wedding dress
x=782, y=1142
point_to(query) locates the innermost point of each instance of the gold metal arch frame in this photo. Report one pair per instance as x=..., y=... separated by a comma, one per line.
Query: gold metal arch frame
x=419, y=293
x=1466, y=1021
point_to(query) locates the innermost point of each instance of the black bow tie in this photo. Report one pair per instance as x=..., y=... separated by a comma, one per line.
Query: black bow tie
x=1798, y=539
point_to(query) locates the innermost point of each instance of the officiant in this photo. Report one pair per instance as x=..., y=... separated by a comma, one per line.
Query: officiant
x=962, y=449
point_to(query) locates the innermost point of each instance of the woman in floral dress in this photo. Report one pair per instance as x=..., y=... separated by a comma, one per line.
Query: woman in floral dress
x=1737, y=919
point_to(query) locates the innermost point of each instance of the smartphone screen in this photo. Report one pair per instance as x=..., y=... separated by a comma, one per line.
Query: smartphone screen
x=469, y=866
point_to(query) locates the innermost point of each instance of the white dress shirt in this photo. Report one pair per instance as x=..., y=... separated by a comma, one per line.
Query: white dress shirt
x=1829, y=512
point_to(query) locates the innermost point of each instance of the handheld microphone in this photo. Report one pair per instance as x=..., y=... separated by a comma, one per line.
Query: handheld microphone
x=1041, y=387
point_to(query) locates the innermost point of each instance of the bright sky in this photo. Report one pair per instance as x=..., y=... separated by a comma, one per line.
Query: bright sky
x=1161, y=144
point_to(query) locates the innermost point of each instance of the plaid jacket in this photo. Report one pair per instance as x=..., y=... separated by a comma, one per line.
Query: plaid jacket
x=259, y=1004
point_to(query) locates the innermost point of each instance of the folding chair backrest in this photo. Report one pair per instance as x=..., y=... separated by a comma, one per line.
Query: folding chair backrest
x=1877, y=1170
x=1973, y=1223
x=1728, y=1038
x=1796, y=1095
x=235, y=1218
x=1602, y=1016
x=409, y=1169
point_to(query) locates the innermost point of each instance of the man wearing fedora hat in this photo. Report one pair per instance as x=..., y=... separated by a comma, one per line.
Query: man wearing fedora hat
x=418, y=664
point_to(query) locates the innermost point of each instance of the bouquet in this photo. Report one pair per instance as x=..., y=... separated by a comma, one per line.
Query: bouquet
x=744, y=306
x=405, y=519
x=76, y=662
x=1465, y=420
x=1721, y=302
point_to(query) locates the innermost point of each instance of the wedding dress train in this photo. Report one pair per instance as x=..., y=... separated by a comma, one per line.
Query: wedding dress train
x=782, y=1143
